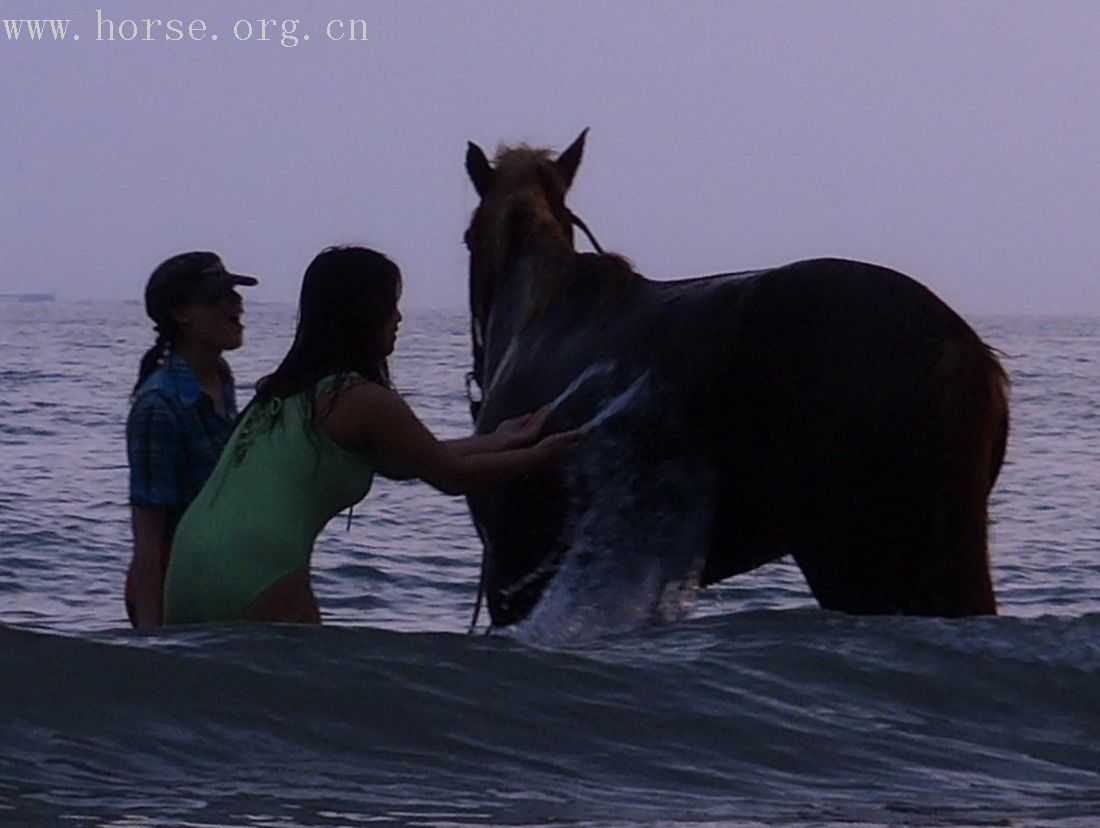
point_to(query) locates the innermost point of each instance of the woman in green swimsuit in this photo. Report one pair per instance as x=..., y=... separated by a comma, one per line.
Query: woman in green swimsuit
x=308, y=447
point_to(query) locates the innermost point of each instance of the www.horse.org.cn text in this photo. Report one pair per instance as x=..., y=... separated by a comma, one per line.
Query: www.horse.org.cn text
x=287, y=33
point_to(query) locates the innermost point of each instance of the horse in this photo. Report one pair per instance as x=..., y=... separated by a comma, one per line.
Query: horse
x=835, y=411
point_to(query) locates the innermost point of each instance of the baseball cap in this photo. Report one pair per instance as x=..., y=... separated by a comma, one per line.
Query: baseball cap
x=188, y=277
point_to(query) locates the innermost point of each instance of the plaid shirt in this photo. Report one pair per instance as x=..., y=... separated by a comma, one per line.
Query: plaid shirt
x=174, y=437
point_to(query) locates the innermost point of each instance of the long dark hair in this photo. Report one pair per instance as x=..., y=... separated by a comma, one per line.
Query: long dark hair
x=348, y=294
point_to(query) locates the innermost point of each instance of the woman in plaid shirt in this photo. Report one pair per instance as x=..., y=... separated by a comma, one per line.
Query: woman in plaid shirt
x=184, y=408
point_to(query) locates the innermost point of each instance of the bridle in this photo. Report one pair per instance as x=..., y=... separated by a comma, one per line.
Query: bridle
x=576, y=220
x=475, y=383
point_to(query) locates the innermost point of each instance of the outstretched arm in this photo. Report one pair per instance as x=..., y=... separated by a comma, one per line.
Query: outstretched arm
x=368, y=417
x=510, y=434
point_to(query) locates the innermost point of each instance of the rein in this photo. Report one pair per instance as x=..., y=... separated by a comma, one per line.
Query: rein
x=475, y=391
x=573, y=217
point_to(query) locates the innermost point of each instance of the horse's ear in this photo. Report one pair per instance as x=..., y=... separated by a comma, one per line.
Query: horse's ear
x=478, y=167
x=569, y=160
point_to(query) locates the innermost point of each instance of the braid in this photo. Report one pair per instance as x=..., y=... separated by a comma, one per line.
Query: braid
x=166, y=351
x=154, y=357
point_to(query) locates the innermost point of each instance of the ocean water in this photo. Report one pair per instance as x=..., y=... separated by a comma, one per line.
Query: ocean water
x=757, y=709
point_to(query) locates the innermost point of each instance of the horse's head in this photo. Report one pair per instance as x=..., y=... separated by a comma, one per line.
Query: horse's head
x=522, y=205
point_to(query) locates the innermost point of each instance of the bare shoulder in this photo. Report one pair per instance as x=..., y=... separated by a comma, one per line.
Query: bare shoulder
x=359, y=412
x=354, y=389
x=361, y=395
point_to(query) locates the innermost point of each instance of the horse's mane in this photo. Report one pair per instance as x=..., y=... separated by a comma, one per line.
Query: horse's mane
x=605, y=275
x=602, y=277
x=520, y=156
x=611, y=269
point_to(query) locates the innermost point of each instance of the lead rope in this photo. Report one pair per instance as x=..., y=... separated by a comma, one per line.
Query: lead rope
x=477, y=603
x=472, y=382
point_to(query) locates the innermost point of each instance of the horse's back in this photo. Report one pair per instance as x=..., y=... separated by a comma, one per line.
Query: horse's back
x=816, y=339
x=854, y=414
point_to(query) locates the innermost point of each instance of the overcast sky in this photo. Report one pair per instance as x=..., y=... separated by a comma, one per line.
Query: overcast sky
x=957, y=141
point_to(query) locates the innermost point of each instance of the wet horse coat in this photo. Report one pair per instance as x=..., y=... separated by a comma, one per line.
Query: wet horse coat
x=832, y=410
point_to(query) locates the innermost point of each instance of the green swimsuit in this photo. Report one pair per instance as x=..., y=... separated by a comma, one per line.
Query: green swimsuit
x=278, y=482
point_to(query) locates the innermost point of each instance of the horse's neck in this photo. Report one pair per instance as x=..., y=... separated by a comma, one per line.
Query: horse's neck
x=509, y=311
x=531, y=279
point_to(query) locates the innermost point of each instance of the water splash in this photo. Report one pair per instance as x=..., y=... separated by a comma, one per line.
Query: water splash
x=639, y=523
x=621, y=402
x=597, y=370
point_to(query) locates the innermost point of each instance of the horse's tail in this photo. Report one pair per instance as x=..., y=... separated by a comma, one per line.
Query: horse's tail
x=972, y=410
